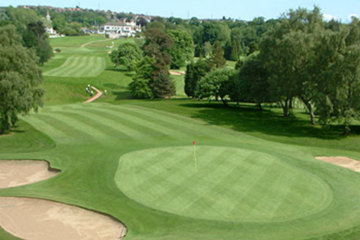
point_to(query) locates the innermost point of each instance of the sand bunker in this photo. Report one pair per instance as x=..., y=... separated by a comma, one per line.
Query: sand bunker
x=343, y=162
x=36, y=219
x=21, y=172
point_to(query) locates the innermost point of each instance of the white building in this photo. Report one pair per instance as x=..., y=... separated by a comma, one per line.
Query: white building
x=49, y=29
x=118, y=30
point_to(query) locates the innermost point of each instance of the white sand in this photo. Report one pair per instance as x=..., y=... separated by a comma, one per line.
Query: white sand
x=343, y=162
x=35, y=219
x=21, y=172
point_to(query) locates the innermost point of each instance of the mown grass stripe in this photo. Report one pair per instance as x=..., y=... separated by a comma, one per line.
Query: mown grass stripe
x=49, y=129
x=98, y=123
x=84, y=127
x=70, y=63
x=131, y=129
x=183, y=123
x=154, y=124
x=155, y=127
x=64, y=127
x=84, y=62
x=175, y=195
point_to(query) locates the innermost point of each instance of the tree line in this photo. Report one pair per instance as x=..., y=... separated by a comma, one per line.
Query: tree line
x=24, y=46
x=297, y=57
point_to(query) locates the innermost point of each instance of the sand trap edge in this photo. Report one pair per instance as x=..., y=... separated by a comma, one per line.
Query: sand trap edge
x=50, y=169
x=124, y=232
x=345, y=162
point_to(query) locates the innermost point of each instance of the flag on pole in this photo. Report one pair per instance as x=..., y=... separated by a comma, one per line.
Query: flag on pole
x=195, y=159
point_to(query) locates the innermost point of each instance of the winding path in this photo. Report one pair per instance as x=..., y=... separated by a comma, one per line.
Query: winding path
x=88, y=43
x=98, y=94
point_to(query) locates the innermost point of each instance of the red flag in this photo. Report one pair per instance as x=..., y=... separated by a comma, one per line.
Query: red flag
x=194, y=143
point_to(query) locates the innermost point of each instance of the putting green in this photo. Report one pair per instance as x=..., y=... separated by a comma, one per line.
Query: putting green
x=79, y=66
x=227, y=184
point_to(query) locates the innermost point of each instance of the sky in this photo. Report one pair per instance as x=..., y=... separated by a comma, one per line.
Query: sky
x=237, y=9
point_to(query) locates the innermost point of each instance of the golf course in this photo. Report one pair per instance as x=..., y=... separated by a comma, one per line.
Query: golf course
x=181, y=168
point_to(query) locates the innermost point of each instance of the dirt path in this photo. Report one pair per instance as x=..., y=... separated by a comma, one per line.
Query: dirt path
x=21, y=172
x=36, y=219
x=177, y=73
x=98, y=94
x=88, y=43
x=342, y=162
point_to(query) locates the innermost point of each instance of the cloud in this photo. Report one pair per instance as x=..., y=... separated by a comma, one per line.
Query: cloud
x=328, y=17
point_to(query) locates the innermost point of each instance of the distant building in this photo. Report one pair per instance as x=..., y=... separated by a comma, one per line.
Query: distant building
x=121, y=29
x=49, y=29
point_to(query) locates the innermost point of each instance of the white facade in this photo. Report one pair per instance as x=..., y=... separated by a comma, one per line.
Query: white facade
x=119, y=30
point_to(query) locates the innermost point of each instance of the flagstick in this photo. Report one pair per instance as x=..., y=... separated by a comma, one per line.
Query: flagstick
x=195, y=159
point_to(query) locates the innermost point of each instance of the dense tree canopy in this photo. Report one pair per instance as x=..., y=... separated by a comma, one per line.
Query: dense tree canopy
x=20, y=78
x=128, y=54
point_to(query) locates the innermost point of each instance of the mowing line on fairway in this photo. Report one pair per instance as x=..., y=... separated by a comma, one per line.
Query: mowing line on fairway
x=74, y=134
x=178, y=188
x=111, y=128
x=133, y=130
x=70, y=63
x=47, y=129
x=147, y=124
x=85, y=63
x=80, y=126
x=191, y=124
x=79, y=66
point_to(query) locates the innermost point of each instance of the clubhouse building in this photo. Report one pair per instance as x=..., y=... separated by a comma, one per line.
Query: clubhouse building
x=121, y=29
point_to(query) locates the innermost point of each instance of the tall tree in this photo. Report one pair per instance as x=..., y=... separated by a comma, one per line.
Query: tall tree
x=20, y=78
x=183, y=48
x=218, y=55
x=194, y=72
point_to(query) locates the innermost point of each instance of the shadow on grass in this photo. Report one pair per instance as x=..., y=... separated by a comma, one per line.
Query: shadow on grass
x=120, y=95
x=246, y=118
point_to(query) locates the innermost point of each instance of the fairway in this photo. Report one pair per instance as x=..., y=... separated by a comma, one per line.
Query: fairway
x=253, y=174
x=228, y=184
x=79, y=66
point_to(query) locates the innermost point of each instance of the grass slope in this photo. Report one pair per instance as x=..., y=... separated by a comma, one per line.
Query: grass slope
x=79, y=66
x=256, y=180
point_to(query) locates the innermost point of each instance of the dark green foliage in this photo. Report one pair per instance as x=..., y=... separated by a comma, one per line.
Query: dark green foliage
x=251, y=84
x=139, y=87
x=194, y=72
x=182, y=49
x=217, y=83
x=20, y=78
x=127, y=54
x=32, y=30
x=35, y=36
x=218, y=55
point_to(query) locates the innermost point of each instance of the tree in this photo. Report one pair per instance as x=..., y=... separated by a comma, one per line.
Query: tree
x=140, y=87
x=216, y=84
x=194, y=72
x=127, y=54
x=218, y=55
x=286, y=51
x=251, y=84
x=35, y=36
x=182, y=49
x=20, y=78
x=338, y=75
x=157, y=46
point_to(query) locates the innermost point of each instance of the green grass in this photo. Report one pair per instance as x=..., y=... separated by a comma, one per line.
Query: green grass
x=256, y=176
x=79, y=66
